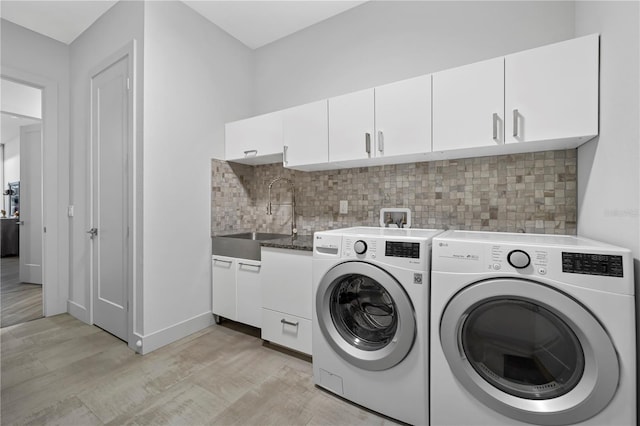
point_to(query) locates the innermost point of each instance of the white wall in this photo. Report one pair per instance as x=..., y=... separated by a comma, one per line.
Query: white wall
x=21, y=99
x=608, y=166
x=112, y=31
x=33, y=58
x=385, y=41
x=11, y=161
x=197, y=77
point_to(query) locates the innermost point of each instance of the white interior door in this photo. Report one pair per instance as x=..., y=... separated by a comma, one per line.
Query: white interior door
x=109, y=233
x=31, y=204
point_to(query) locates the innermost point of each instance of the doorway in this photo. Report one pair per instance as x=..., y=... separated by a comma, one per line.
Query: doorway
x=21, y=215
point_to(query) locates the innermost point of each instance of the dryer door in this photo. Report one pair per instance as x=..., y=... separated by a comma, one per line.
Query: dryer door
x=529, y=351
x=365, y=315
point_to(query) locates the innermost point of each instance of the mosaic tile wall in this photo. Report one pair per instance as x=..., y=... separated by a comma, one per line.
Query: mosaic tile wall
x=532, y=192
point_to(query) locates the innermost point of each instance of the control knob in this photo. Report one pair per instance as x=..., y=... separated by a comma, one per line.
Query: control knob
x=518, y=259
x=360, y=247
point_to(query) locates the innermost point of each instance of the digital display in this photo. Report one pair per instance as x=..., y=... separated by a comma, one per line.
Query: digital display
x=402, y=249
x=592, y=264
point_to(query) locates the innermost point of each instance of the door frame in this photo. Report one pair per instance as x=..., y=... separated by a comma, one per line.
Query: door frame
x=55, y=287
x=127, y=51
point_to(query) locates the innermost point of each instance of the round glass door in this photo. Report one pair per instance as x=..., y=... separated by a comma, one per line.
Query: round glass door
x=522, y=348
x=363, y=312
x=365, y=315
x=529, y=351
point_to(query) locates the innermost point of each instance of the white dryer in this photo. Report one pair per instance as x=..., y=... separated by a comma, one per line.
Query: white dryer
x=531, y=329
x=370, y=318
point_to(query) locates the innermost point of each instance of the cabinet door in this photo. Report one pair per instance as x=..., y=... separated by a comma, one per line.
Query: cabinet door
x=224, y=286
x=351, y=126
x=552, y=92
x=249, y=292
x=305, y=131
x=403, y=117
x=254, y=138
x=468, y=106
x=286, y=281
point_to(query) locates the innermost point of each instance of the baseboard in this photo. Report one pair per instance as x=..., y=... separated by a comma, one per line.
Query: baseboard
x=160, y=338
x=78, y=311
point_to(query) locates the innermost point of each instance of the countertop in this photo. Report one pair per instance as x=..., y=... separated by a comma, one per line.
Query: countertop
x=301, y=242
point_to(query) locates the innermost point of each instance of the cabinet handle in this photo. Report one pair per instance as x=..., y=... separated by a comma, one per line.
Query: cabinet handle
x=367, y=143
x=380, y=141
x=284, y=154
x=285, y=322
x=495, y=127
x=255, y=152
x=222, y=260
x=248, y=264
x=515, y=123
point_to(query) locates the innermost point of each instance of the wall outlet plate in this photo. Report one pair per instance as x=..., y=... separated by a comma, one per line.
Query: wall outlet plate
x=344, y=206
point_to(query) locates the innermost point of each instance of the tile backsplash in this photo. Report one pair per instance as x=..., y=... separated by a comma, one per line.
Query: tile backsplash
x=531, y=192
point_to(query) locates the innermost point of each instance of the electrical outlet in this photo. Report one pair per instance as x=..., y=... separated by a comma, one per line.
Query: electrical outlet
x=344, y=207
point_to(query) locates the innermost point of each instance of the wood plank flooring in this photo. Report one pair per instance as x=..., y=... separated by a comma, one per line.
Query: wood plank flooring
x=19, y=302
x=60, y=371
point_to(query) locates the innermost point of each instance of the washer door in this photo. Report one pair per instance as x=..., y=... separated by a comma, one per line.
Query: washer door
x=529, y=351
x=365, y=315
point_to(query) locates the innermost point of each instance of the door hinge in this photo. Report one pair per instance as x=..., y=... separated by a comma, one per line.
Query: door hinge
x=44, y=229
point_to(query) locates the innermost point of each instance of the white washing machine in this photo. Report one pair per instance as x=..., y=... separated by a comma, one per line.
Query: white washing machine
x=531, y=329
x=370, y=318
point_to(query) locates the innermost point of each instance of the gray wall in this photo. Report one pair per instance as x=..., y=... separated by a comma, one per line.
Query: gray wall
x=197, y=77
x=384, y=41
x=608, y=166
x=36, y=57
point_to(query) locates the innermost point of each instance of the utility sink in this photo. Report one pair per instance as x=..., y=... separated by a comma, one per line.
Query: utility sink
x=245, y=245
x=257, y=236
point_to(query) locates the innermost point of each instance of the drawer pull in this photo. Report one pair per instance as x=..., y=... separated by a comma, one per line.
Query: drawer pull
x=284, y=321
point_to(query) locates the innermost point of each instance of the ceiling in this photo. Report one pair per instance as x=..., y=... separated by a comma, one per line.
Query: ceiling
x=254, y=23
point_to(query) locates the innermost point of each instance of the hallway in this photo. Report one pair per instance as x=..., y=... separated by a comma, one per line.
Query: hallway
x=20, y=302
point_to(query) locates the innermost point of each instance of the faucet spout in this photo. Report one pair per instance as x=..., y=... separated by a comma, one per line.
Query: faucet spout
x=294, y=228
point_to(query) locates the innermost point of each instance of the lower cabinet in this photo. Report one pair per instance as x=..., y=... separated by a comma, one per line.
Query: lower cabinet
x=286, y=298
x=236, y=291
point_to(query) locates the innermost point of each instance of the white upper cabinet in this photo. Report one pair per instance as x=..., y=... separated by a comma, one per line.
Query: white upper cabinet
x=255, y=140
x=351, y=126
x=403, y=117
x=551, y=93
x=306, y=135
x=468, y=106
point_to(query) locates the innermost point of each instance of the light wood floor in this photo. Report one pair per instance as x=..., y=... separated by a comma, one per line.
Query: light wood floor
x=60, y=371
x=19, y=302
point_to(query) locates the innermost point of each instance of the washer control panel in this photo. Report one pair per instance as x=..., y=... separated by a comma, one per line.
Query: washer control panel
x=409, y=254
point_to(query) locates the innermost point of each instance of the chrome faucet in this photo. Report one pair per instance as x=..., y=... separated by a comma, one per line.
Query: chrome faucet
x=294, y=229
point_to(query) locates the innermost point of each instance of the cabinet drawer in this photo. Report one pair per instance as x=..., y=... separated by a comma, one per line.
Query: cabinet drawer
x=287, y=330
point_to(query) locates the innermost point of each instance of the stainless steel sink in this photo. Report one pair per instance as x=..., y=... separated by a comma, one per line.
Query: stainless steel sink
x=257, y=236
x=245, y=245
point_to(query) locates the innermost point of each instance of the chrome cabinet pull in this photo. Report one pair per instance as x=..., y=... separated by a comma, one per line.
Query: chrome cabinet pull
x=380, y=141
x=285, y=322
x=367, y=142
x=255, y=152
x=515, y=123
x=222, y=260
x=248, y=264
x=284, y=154
x=495, y=127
